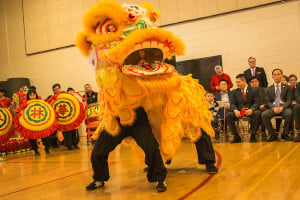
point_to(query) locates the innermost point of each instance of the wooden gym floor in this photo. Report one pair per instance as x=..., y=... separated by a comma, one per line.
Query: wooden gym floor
x=247, y=171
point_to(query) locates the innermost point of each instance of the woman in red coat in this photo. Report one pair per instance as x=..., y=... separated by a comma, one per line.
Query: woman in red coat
x=214, y=85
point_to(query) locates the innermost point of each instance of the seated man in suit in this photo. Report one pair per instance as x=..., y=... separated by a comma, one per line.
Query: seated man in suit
x=256, y=71
x=224, y=97
x=278, y=101
x=243, y=102
x=296, y=111
x=261, y=99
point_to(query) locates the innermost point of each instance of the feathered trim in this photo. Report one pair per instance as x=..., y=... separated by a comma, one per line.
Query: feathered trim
x=29, y=133
x=118, y=53
x=83, y=44
x=5, y=137
x=77, y=122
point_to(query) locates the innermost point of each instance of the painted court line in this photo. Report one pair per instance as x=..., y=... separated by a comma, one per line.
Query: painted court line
x=251, y=189
x=205, y=181
x=51, y=181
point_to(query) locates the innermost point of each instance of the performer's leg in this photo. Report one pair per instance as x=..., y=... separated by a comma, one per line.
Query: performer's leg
x=68, y=139
x=34, y=146
x=103, y=146
x=143, y=136
x=74, y=139
x=206, y=154
x=46, y=142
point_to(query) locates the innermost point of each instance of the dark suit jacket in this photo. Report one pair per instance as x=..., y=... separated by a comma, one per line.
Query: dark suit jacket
x=297, y=93
x=251, y=100
x=286, y=96
x=260, y=73
x=261, y=95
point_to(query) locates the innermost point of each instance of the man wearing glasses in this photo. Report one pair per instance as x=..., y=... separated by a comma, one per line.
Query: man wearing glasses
x=253, y=71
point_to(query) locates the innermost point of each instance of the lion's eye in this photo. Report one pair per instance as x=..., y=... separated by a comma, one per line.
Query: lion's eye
x=106, y=27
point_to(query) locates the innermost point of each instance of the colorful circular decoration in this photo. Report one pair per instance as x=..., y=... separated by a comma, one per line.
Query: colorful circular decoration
x=6, y=122
x=35, y=119
x=69, y=110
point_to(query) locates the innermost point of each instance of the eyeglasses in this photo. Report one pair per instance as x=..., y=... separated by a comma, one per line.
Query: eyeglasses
x=252, y=61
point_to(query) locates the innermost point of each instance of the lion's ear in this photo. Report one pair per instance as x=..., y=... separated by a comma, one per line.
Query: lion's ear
x=153, y=15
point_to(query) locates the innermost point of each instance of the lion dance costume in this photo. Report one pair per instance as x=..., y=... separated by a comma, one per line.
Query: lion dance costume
x=128, y=52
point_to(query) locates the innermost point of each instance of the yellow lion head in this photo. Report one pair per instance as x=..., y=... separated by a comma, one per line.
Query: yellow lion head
x=126, y=37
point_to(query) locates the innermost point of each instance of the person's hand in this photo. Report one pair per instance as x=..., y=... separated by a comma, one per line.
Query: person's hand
x=276, y=110
x=249, y=112
x=280, y=109
x=237, y=113
x=262, y=106
x=227, y=106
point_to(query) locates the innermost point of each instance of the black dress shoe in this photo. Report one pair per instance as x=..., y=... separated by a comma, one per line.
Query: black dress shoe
x=236, y=139
x=297, y=139
x=161, y=186
x=94, y=185
x=70, y=148
x=168, y=162
x=211, y=168
x=286, y=138
x=272, y=138
x=253, y=139
x=76, y=147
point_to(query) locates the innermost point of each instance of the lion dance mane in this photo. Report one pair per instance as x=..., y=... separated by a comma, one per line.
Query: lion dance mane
x=128, y=53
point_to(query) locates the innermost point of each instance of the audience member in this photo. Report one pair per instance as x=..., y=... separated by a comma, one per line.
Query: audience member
x=261, y=99
x=278, y=101
x=243, y=102
x=92, y=97
x=285, y=79
x=214, y=108
x=223, y=96
x=256, y=71
x=214, y=85
x=4, y=101
x=296, y=112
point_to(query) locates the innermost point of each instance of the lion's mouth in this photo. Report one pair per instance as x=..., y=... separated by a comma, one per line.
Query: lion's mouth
x=145, y=59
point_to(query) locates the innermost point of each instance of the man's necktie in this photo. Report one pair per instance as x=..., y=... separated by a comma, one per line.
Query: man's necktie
x=277, y=96
x=253, y=72
x=243, y=93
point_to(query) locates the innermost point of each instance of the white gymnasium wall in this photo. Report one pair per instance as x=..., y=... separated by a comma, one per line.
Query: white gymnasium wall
x=42, y=18
x=4, y=57
x=270, y=33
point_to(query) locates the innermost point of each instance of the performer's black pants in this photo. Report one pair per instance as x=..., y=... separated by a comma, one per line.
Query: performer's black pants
x=34, y=146
x=142, y=134
x=205, y=149
x=53, y=140
x=70, y=138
